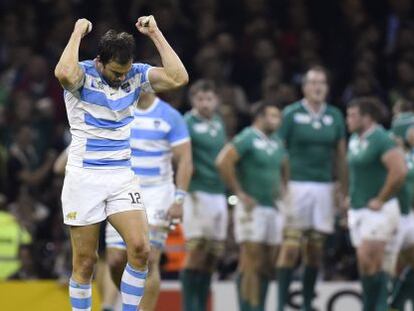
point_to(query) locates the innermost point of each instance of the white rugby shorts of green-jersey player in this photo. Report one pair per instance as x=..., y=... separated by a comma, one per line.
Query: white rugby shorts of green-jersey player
x=259, y=171
x=205, y=206
x=311, y=141
x=404, y=238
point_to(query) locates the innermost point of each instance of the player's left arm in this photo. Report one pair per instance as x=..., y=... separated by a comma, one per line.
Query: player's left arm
x=394, y=162
x=409, y=136
x=341, y=167
x=173, y=73
x=182, y=159
x=285, y=175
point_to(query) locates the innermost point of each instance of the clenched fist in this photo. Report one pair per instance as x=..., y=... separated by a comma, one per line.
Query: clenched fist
x=147, y=25
x=82, y=27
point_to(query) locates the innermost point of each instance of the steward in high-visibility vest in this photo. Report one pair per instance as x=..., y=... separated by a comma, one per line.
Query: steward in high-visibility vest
x=12, y=237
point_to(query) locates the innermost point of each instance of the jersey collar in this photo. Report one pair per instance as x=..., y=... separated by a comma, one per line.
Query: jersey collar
x=150, y=107
x=260, y=134
x=369, y=131
x=314, y=115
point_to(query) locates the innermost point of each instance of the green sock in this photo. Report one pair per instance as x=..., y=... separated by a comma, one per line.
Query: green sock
x=243, y=304
x=264, y=284
x=284, y=277
x=308, y=280
x=409, y=280
x=203, y=290
x=189, y=289
x=382, y=296
x=371, y=290
x=403, y=289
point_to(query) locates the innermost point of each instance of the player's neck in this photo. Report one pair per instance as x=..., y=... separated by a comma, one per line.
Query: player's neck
x=259, y=127
x=367, y=129
x=314, y=106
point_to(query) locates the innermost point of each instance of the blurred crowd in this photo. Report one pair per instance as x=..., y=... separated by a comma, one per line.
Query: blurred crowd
x=255, y=50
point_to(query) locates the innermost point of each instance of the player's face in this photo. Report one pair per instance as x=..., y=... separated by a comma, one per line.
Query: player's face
x=115, y=73
x=205, y=102
x=353, y=119
x=272, y=118
x=315, y=87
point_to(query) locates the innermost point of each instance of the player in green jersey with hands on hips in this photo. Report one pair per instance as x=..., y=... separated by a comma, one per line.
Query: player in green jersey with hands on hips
x=252, y=166
x=314, y=134
x=205, y=206
x=377, y=170
x=402, y=246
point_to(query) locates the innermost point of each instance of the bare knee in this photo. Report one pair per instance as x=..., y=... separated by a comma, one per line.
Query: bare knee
x=83, y=265
x=370, y=257
x=138, y=251
x=314, y=249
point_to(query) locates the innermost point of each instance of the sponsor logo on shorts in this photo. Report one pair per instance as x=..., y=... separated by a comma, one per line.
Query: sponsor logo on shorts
x=71, y=215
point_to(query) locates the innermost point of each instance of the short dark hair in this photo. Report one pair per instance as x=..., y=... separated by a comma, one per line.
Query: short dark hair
x=405, y=105
x=317, y=68
x=118, y=47
x=260, y=109
x=370, y=106
x=202, y=85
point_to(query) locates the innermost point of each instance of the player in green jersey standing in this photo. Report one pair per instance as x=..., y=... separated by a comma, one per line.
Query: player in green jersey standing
x=402, y=130
x=205, y=207
x=314, y=134
x=252, y=165
x=377, y=170
x=402, y=126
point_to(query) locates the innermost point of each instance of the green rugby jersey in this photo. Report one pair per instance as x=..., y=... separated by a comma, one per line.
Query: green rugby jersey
x=406, y=194
x=208, y=137
x=367, y=173
x=401, y=123
x=259, y=166
x=311, y=140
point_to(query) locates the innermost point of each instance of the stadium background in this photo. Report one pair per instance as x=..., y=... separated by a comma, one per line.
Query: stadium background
x=255, y=50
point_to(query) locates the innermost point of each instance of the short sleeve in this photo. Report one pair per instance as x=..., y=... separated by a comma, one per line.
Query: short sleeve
x=143, y=70
x=385, y=144
x=81, y=82
x=341, y=131
x=242, y=143
x=284, y=130
x=179, y=132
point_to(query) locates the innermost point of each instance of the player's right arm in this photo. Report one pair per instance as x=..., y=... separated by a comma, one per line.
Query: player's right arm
x=226, y=163
x=68, y=71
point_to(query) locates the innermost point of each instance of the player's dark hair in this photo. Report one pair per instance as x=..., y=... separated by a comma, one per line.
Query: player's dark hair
x=317, y=68
x=405, y=105
x=116, y=46
x=370, y=106
x=260, y=109
x=202, y=85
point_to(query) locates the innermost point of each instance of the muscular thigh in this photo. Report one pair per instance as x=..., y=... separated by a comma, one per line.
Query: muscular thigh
x=84, y=239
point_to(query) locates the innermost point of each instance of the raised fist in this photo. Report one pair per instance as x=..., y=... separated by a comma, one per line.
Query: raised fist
x=83, y=27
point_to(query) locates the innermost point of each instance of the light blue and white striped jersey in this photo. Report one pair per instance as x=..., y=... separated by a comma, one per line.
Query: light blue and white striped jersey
x=100, y=117
x=154, y=132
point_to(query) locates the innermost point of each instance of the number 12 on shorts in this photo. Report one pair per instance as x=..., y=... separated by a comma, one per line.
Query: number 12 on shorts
x=135, y=197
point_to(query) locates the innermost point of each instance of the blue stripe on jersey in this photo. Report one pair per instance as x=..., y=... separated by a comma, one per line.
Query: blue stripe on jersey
x=137, y=133
x=106, y=144
x=90, y=69
x=147, y=171
x=143, y=153
x=105, y=162
x=106, y=124
x=100, y=99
